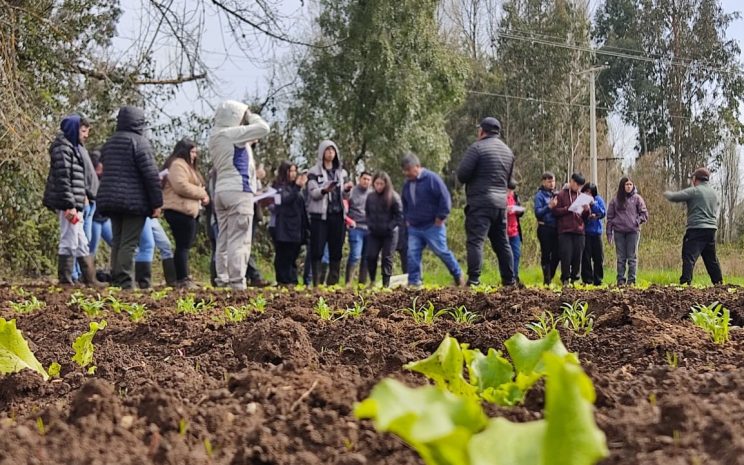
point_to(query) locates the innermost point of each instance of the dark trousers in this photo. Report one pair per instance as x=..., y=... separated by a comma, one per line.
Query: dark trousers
x=125, y=231
x=252, y=272
x=699, y=242
x=571, y=248
x=285, y=261
x=387, y=245
x=549, y=251
x=403, y=248
x=331, y=231
x=488, y=222
x=592, y=263
x=183, y=228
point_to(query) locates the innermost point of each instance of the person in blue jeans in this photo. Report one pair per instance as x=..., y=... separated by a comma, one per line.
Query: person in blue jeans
x=426, y=206
x=592, y=264
x=357, y=226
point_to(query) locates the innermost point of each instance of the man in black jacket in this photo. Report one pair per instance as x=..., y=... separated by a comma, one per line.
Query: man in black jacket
x=486, y=169
x=130, y=190
x=65, y=193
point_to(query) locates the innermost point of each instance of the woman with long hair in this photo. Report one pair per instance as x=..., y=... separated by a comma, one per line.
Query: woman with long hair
x=288, y=224
x=625, y=215
x=384, y=213
x=184, y=194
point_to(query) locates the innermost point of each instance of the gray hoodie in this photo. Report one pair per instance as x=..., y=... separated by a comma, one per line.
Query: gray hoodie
x=318, y=178
x=357, y=206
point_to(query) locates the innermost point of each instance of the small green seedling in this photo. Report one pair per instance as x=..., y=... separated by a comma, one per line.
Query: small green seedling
x=577, y=318
x=90, y=306
x=54, y=370
x=136, y=311
x=233, y=314
x=83, y=346
x=545, y=323
x=183, y=427
x=160, y=295
x=425, y=314
x=258, y=304
x=323, y=310
x=360, y=306
x=672, y=359
x=190, y=306
x=27, y=306
x=714, y=319
x=208, y=447
x=463, y=316
x=40, y=426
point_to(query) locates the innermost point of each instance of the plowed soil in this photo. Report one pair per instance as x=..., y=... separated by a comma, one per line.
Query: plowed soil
x=279, y=387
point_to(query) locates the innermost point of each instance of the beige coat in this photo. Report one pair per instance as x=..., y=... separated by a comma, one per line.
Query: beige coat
x=183, y=190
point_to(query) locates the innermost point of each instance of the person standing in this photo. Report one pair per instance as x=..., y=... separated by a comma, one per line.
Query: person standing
x=625, y=215
x=426, y=206
x=288, y=224
x=547, y=228
x=486, y=169
x=514, y=212
x=234, y=127
x=184, y=194
x=702, y=224
x=592, y=264
x=129, y=191
x=327, y=187
x=253, y=272
x=570, y=229
x=384, y=212
x=358, y=228
x=65, y=193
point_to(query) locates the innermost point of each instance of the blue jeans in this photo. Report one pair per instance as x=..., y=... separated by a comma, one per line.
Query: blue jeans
x=516, y=247
x=88, y=212
x=153, y=235
x=100, y=231
x=356, y=245
x=436, y=238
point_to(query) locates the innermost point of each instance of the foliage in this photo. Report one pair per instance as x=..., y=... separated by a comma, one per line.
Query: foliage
x=577, y=318
x=347, y=93
x=83, y=346
x=28, y=305
x=14, y=352
x=323, y=310
x=491, y=377
x=190, y=306
x=672, y=359
x=357, y=310
x=258, y=304
x=424, y=314
x=93, y=307
x=462, y=315
x=161, y=294
x=54, y=370
x=446, y=429
x=545, y=323
x=714, y=319
x=234, y=314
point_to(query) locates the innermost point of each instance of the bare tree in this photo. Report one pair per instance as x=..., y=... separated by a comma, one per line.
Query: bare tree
x=730, y=186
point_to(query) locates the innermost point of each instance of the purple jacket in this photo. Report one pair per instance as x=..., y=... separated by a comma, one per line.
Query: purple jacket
x=626, y=219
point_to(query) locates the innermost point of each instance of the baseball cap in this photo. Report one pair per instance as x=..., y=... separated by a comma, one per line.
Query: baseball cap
x=701, y=174
x=490, y=124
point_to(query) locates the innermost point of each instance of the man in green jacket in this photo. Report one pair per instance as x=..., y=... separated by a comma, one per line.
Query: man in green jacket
x=702, y=223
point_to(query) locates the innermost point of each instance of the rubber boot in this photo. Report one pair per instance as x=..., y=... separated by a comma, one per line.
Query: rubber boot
x=334, y=273
x=88, y=272
x=350, y=271
x=386, y=281
x=143, y=274
x=363, y=272
x=169, y=271
x=65, y=263
x=315, y=265
x=323, y=275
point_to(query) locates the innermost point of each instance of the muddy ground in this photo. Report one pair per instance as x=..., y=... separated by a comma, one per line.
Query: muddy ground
x=279, y=388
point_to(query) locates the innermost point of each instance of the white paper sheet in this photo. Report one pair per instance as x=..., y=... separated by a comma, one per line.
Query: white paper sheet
x=580, y=202
x=268, y=193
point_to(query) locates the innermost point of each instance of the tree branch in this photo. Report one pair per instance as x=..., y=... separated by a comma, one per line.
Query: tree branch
x=121, y=78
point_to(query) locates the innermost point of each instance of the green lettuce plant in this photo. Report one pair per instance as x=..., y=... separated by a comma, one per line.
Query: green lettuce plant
x=83, y=346
x=714, y=319
x=15, y=354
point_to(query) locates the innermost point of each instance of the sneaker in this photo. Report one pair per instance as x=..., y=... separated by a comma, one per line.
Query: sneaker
x=186, y=283
x=461, y=281
x=260, y=282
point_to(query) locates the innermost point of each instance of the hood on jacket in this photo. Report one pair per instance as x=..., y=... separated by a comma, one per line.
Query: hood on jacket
x=131, y=119
x=229, y=113
x=321, y=149
x=70, y=127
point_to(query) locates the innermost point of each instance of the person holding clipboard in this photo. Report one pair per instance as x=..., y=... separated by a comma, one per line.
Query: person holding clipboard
x=570, y=209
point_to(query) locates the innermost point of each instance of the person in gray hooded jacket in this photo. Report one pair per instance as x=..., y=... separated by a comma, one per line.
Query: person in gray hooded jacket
x=327, y=187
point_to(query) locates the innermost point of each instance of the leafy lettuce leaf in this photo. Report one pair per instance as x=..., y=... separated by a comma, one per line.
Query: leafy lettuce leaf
x=14, y=352
x=83, y=345
x=445, y=368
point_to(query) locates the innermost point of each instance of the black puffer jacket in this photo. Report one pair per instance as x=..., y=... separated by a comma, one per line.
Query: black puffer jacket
x=65, y=186
x=291, y=219
x=130, y=183
x=381, y=219
x=486, y=169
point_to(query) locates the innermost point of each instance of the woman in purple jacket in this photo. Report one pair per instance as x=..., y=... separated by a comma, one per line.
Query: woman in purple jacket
x=625, y=215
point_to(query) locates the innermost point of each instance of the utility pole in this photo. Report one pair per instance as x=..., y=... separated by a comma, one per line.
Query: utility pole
x=593, y=119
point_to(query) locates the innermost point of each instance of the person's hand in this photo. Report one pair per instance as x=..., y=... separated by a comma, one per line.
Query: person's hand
x=352, y=224
x=348, y=186
x=301, y=181
x=553, y=202
x=156, y=213
x=587, y=207
x=70, y=213
x=205, y=201
x=593, y=216
x=330, y=187
x=439, y=222
x=260, y=172
x=609, y=239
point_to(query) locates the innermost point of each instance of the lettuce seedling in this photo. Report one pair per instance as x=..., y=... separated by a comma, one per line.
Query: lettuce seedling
x=577, y=318
x=54, y=370
x=424, y=314
x=462, y=315
x=323, y=310
x=714, y=319
x=27, y=306
x=545, y=323
x=258, y=304
x=14, y=352
x=83, y=346
x=190, y=306
x=491, y=377
x=445, y=429
x=90, y=306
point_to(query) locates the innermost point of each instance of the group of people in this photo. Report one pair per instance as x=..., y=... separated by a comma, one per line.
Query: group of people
x=119, y=194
